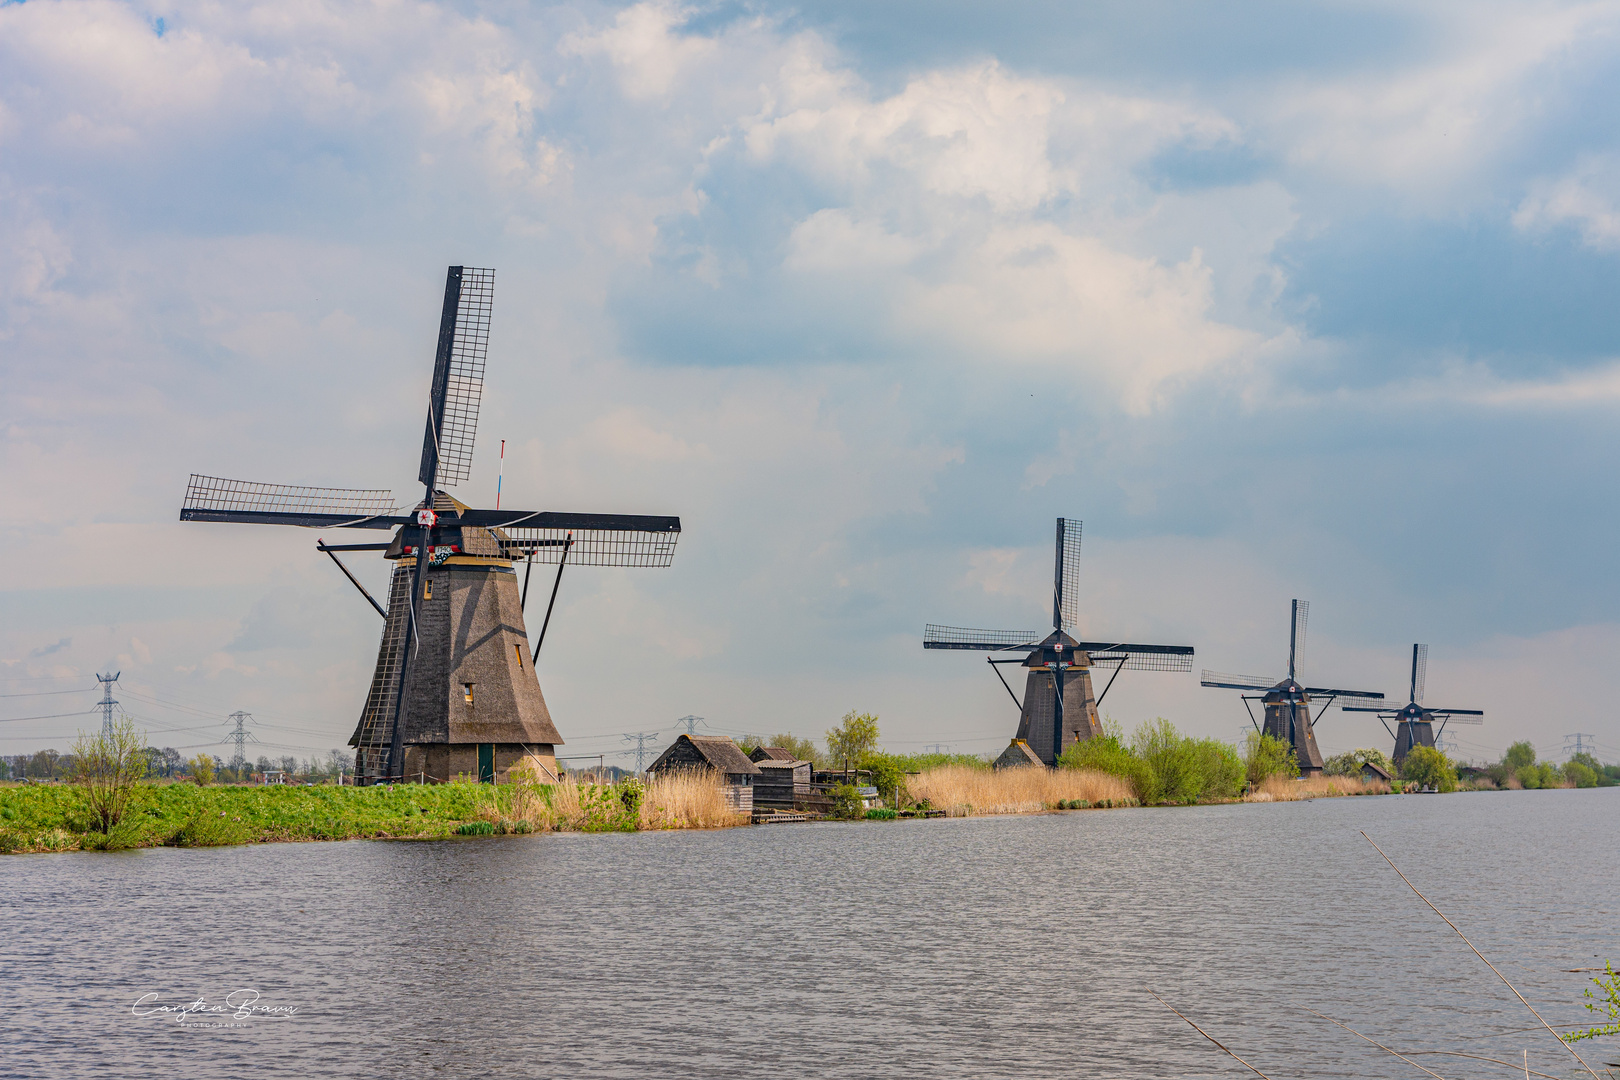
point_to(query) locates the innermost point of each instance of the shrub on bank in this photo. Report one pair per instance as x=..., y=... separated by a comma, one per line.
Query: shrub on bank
x=1429, y=768
x=1265, y=757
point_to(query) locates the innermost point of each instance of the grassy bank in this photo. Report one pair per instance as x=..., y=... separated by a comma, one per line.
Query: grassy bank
x=58, y=817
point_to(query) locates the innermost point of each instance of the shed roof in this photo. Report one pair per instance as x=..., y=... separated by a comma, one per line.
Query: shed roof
x=1375, y=767
x=718, y=750
x=771, y=753
x=790, y=764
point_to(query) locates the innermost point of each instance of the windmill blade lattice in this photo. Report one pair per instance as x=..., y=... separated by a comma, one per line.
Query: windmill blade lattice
x=1066, y=575
x=591, y=547
x=1142, y=661
x=1237, y=682
x=207, y=495
x=1302, y=616
x=458, y=376
x=936, y=636
x=1420, y=670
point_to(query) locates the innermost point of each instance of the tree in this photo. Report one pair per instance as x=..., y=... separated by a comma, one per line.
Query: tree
x=202, y=770
x=1580, y=774
x=42, y=766
x=1430, y=768
x=107, y=764
x=854, y=738
x=1519, y=755
x=1264, y=756
x=173, y=761
x=1351, y=762
x=803, y=749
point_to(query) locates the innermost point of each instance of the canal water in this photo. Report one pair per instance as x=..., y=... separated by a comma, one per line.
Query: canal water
x=988, y=947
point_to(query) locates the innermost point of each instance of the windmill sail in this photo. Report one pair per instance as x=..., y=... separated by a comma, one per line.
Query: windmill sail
x=1296, y=636
x=1066, y=575
x=1140, y=657
x=1237, y=682
x=962, y=637
x=458, y=376
x=591, y=539
x=1420, y=670
x=213, y=498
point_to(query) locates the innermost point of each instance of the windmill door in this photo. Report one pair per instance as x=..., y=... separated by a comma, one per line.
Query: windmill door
x=486, y=763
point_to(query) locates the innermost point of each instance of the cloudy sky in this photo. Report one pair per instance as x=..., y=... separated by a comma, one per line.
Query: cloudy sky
x=1283, y=300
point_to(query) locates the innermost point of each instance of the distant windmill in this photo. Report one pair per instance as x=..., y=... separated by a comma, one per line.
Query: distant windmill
x=1287, y=703
x=1414, y=722
x=454, y=690
x=1059, y=708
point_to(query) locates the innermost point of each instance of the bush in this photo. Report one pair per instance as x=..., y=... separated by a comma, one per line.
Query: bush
x=846, y=802
x=1173, y=763
x=1429, y=767
x=1222, y=769
x=632, y=792
x=1350, y=762
x=1580, y=774
x=878, y=813
x=1264, y=756
x=476, y=828
x=1106, y=753
x=107, y=765
x=888, y=775
x=202, y=770
x=1519, y=755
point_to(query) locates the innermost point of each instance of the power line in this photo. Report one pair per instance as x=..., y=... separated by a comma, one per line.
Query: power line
x=52, y=716
x=47, y=693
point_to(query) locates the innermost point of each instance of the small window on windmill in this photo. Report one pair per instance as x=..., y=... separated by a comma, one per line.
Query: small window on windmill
x=466, y=690
x=427, y=590
x=517, y=650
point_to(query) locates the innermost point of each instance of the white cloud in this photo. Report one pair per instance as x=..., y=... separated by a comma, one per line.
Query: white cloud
x=1431, y=127
x=1588, y=197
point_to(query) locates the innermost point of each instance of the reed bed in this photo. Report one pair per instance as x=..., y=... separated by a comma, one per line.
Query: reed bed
x=686, y=800
x=960, y=790
x=1289, y=789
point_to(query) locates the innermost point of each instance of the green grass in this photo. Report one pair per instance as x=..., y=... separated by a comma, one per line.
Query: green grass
x=56, y=817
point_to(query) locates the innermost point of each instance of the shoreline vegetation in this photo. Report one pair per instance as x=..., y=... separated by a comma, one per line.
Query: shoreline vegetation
x=108, y=806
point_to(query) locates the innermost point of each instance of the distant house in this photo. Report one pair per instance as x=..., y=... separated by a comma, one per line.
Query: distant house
x=1018, y=755
x=274, y=777
x=1371, y=770
x=708, y=752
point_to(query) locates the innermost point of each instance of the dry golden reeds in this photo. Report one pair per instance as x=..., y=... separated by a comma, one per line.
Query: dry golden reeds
x=1288, y=789
x=960, y=790
x=687, y=800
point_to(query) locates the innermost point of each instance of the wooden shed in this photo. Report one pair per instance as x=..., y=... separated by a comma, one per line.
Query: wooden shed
x=782, y=784
x=708, y=752
x=770, y=753
x=1372, y=771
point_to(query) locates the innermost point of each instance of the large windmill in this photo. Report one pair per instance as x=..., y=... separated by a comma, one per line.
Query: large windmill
x=1059, y=707
x=1287, y=703
x=1414, y=721
x=454, y=690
